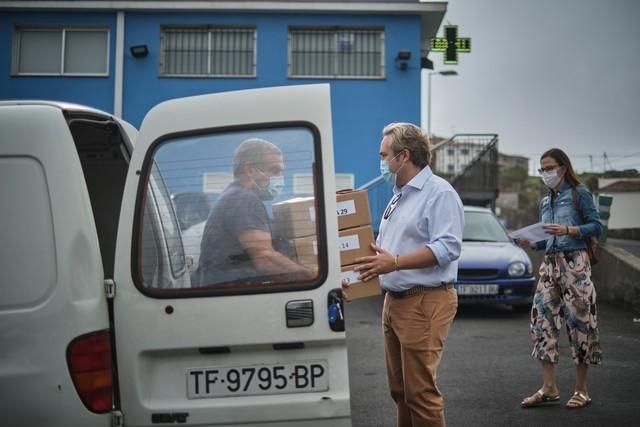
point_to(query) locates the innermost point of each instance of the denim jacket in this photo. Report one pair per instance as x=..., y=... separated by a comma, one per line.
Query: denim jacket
x=562, y=210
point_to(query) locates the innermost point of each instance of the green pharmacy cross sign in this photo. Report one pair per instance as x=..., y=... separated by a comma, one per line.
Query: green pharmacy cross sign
x=450, y=44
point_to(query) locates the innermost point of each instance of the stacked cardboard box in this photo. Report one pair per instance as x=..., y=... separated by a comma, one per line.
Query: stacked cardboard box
x=295, y=220
x=355, y=238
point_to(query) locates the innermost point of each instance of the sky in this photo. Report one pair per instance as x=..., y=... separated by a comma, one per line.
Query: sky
x=543, y=74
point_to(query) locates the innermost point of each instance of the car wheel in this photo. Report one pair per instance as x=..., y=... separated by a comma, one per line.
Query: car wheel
x=522, y=308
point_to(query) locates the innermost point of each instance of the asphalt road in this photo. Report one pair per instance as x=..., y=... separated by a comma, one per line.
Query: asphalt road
x=486, y=370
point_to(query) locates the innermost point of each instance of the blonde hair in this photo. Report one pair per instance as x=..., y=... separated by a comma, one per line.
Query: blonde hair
x=407, y=136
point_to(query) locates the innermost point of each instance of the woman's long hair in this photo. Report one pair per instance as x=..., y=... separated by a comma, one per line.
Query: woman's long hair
x=563, y=160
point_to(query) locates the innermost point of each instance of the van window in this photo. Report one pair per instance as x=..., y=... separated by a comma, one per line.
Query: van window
x=28, y=245
x=245, y=234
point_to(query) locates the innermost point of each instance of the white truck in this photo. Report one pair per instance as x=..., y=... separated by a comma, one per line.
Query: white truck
x=99, y=322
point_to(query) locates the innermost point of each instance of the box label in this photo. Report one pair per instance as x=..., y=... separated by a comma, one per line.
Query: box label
x=312, y=214
x=349, y=243
x=350, y=277
x=315, y=247
x=348, y=207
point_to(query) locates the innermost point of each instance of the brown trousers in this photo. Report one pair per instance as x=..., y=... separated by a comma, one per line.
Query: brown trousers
x=415, y=330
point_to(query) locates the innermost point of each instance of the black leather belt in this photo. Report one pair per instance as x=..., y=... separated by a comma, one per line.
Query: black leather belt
x=419, y=290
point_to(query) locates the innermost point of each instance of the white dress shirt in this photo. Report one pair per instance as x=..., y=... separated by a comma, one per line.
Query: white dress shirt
x=426, y=212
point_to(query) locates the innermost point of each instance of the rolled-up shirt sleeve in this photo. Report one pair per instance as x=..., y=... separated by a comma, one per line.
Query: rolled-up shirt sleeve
x=445, y=224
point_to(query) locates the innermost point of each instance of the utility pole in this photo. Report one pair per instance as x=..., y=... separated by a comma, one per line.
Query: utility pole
x=606, y=162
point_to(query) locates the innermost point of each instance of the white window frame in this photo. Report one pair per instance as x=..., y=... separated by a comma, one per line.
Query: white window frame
x=338, y=46
x=209, y=29
x=216, y=182
x=64, y=29
x=303, y=183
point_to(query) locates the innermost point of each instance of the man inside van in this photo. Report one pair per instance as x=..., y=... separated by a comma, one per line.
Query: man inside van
x=237, y=243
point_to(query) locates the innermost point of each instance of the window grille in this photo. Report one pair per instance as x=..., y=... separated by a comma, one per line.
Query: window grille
x=336, y=53
x=61, y=51
x=208, y=52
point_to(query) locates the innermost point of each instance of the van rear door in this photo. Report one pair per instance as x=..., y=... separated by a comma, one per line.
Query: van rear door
x=239, y=345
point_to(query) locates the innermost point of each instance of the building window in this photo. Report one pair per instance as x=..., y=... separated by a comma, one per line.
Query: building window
x=61, y=51
x=208, y=52
x=336, y=53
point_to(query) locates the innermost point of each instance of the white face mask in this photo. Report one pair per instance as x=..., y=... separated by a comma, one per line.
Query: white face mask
x=551, y=179
x=273, y=189
x=389, y=176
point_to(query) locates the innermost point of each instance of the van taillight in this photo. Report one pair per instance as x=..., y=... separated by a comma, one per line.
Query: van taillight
x=89, y=360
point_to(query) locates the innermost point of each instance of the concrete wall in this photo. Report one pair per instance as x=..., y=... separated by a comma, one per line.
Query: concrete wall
x=616, y=275
x=624, y=233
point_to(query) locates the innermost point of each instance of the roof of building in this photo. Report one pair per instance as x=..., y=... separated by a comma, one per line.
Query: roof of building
x=431, y=13
x=622, y=187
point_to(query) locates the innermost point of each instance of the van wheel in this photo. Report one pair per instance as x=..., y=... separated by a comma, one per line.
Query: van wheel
x=522, y=308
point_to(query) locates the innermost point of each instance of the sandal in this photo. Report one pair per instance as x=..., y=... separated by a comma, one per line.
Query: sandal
x=578, y=400
x=537, y=399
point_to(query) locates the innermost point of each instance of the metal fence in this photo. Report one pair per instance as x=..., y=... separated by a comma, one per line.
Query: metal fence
x=379, y=193
x=468, y=161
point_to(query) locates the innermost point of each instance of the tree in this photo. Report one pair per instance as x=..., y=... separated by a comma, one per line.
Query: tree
x=627, y=173
x=513, y=179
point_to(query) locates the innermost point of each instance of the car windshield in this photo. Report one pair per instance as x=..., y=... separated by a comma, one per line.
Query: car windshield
x=483, y=227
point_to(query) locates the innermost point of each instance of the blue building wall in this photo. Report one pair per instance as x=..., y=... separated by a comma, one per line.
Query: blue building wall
x=97, y=92
x=360, y=107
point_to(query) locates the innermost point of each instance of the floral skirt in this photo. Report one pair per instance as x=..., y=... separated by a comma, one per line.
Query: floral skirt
x=565, y=294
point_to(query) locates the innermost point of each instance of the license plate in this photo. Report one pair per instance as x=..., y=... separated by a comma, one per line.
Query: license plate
x=294, y=377
x=484, y=289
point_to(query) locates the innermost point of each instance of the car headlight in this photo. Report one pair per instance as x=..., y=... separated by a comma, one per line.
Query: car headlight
x=517, y=268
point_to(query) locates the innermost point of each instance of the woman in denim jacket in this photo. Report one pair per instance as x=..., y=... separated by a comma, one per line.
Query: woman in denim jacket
x=565, y=292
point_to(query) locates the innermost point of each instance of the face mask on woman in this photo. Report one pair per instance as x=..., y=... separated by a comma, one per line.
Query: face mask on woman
x=551, y=178
x=387, y=175
x=273, y=189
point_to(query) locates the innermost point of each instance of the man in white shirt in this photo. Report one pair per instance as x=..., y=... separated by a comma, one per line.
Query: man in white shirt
x=417, y=248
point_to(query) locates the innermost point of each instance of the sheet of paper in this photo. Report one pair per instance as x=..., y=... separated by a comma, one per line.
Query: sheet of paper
x=534, y=233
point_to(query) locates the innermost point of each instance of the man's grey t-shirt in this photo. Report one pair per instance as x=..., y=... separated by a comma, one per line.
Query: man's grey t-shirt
x=222, y=257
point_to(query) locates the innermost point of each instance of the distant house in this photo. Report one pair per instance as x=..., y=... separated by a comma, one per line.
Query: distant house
x=625, y=207
x=455, y=158
x=507, y=161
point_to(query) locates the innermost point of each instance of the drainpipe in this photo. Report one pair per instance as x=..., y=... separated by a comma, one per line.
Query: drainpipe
x=119, y=67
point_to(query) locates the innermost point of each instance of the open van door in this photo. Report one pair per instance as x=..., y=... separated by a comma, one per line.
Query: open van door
x=236, y=346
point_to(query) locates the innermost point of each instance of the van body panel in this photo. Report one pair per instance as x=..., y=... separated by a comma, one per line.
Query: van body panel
x=53, y=279
x=164, y=333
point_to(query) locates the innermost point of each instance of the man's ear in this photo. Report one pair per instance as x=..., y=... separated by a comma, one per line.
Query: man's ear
x=407, y=154
x=249, y=169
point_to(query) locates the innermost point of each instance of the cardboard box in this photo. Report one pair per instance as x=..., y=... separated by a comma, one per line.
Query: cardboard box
x=294, y=218
x=352, y=244
x=358, y=289
x=306, y=249
x=355, y=243
x=352, y=209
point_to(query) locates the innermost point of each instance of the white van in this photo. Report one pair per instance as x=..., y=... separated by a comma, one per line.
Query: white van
x=99, y=322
